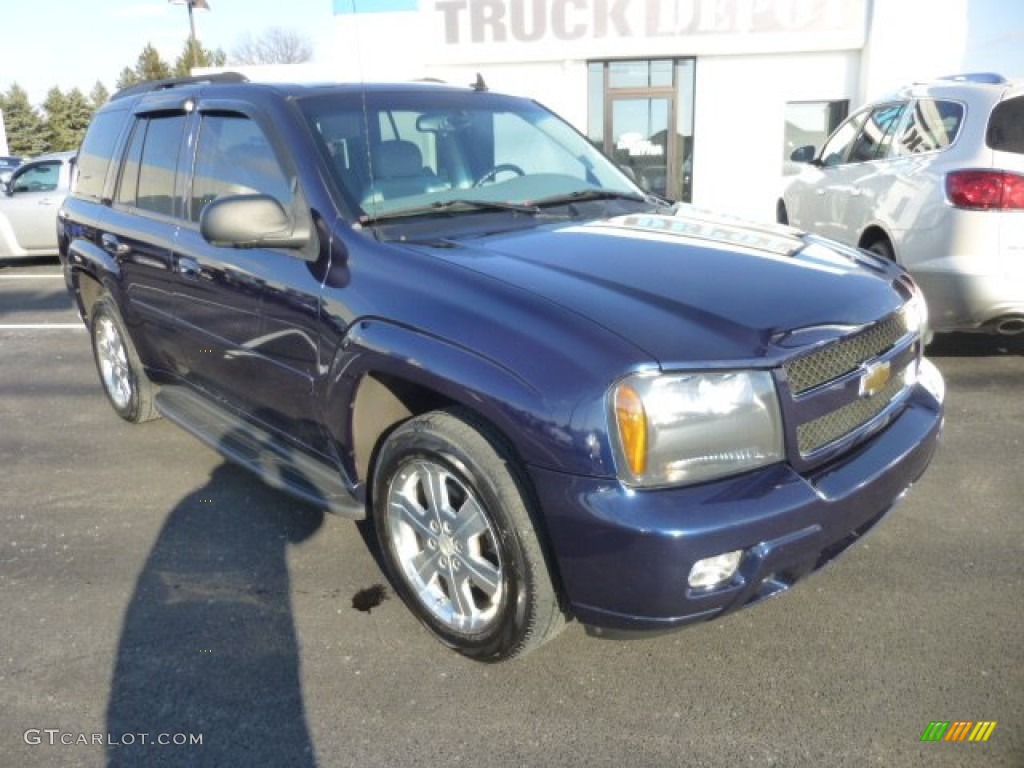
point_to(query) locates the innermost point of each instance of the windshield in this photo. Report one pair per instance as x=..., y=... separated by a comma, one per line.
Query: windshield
x=419, y=152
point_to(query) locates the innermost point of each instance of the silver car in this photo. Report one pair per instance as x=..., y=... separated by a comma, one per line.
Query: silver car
x=932, y=177
x=29, y=203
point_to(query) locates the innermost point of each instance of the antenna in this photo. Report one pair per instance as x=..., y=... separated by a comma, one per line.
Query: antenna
x=362, y=82
x=479, y=85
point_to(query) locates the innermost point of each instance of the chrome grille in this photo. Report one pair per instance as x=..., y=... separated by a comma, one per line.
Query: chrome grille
x=844, y=356
x=832, y=426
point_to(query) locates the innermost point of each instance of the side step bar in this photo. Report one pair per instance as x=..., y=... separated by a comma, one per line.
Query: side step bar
x=273, y=460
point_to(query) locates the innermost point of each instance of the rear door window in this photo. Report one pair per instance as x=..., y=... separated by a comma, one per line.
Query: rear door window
x=933, y=125
x=875, y=137
x=149, y=174
x=1006, y=126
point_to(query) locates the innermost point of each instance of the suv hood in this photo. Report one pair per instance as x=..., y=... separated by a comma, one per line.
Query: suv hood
x=690, y=288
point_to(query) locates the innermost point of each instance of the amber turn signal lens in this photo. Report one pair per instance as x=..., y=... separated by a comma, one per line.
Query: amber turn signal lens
x=632, y=423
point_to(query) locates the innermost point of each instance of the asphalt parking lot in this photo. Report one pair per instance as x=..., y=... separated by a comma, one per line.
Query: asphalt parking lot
x=147, y=587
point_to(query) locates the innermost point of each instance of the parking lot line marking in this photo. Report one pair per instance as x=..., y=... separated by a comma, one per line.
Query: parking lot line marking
x=41, y=326
x=46, y=276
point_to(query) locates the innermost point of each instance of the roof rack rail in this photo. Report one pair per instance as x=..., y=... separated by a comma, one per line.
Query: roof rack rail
x=174, y=82
x=991, y=78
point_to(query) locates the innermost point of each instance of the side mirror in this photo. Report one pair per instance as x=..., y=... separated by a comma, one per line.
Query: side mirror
x=803, y=154
x=250, y=221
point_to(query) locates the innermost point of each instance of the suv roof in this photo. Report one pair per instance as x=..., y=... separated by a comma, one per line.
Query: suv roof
x=988, y=85
x=285, y=89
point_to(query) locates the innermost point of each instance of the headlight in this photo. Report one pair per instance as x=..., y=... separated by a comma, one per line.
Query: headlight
x=916, y=314
x=675, y=429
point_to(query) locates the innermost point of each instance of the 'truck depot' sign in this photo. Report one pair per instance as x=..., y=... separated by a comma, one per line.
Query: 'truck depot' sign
x=530, y=21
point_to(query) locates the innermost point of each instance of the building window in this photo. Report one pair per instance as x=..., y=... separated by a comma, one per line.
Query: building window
x=809, y=123
x=634, y=108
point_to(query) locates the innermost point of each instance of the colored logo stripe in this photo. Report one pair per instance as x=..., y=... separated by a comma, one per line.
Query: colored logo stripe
x=982, y=731
x=342, y=7
x=958, y=730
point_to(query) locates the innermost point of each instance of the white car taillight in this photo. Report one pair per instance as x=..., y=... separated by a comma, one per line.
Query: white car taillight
x=985, y=190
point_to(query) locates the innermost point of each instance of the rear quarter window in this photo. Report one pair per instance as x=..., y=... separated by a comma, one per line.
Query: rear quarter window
x=1006, y=126
x=95, y=154
x=932, y=126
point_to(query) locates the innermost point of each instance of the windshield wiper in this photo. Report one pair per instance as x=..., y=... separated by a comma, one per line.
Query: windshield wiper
x=586, y=195
x=454, y=206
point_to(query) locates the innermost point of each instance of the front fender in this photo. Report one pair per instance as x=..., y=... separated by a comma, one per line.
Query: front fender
x=421, y=372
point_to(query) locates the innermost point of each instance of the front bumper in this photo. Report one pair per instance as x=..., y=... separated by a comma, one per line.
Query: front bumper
x=624, y=555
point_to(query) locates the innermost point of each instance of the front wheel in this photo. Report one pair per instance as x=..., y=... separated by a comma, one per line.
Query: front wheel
x=451, y=511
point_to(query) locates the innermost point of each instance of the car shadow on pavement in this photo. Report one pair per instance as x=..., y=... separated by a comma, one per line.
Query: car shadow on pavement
x=975, y=345
x=208, y=647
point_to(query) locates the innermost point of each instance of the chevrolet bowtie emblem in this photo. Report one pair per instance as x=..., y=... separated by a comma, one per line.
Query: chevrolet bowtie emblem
x=874, y=378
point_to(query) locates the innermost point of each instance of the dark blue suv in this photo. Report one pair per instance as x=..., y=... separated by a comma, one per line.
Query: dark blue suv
x=442, y=309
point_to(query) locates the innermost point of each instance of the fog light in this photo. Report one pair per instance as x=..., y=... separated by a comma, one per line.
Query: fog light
x=713, y=571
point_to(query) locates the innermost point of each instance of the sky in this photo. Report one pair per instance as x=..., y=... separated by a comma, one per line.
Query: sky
x=74, y=43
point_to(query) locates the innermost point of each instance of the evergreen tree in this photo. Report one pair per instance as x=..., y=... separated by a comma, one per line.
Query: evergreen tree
x=195, y=55
x=79, y=113
x=149, y=66
x=126, y=78
x=55, y=109
x=99, y=95
x=23, y=123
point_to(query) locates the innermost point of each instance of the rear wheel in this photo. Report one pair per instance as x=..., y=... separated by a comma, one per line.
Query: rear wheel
x=124, y=381
x=451, y=511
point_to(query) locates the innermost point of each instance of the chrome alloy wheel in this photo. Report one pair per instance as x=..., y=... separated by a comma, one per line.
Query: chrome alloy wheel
x=113, y=362
x=446, y=546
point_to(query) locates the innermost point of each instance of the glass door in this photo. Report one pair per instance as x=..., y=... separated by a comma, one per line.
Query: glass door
x=641, y=115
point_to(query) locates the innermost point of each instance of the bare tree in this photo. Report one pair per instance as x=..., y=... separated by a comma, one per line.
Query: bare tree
x=276, y=45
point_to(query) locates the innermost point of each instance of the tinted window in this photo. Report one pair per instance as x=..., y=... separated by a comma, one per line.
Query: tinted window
x=933, y=125
x=158, y=164
x=147, y=181
x=235, y=158
x=1006, y=126
x=127, y=189
x=876, y=135
x=94, y=156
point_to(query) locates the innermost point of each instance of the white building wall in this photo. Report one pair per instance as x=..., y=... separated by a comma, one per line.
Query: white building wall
x=740, y=118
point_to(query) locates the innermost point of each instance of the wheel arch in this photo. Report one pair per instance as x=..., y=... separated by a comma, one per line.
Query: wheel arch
x=875, y=233
x=385, y=374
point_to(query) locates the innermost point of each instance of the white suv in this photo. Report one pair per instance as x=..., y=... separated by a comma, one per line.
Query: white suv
x=932, y=177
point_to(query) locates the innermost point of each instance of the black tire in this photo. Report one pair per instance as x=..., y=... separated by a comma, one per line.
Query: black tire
x=882, y=248
x=128, y=389
x=452, y=515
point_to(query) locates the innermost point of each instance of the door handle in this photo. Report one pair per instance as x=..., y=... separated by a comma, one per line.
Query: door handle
x=820, y=192
x=188, y=266
x=112, y=245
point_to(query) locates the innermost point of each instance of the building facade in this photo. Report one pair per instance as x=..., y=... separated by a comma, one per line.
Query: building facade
x=702, y=100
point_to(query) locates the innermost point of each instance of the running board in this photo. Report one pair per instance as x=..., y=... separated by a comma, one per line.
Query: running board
x=276, y=462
